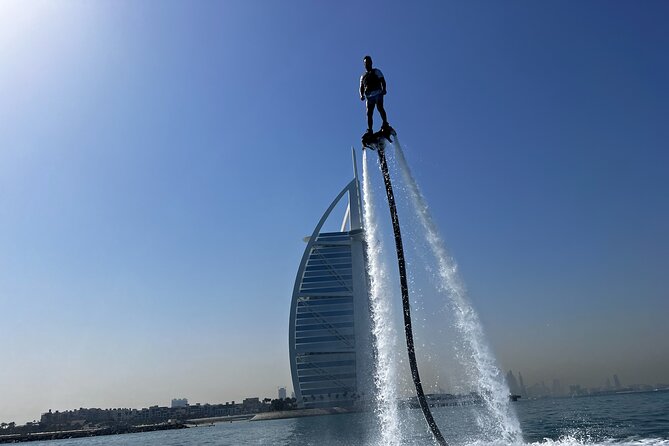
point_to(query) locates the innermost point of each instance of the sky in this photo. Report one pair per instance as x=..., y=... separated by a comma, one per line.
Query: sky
x=161, y=162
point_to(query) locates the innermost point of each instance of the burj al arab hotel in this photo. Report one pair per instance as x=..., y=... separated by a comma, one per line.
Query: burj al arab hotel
x=330, y=336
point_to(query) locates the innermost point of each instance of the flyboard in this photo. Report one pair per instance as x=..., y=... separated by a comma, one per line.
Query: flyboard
x=378, y=141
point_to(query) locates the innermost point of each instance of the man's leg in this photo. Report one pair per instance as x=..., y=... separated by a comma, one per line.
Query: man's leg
x=382, y=111
x=370, y=114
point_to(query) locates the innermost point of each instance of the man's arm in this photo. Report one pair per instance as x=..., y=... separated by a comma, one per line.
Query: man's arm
x=362, y=90
x=383, y=85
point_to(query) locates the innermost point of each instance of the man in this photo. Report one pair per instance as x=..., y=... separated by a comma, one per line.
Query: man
x=373, y=87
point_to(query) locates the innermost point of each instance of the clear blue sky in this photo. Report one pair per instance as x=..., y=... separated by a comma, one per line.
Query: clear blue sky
x=161, y=161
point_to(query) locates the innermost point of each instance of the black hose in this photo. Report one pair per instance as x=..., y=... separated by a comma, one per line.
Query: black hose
x=405, y=301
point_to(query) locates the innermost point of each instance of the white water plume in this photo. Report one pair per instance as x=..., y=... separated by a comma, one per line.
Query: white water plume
x=382, y=317
x=502, y=421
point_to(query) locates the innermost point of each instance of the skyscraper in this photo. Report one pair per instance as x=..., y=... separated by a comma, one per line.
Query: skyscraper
x=330, y=339
x=521, y=384
x=514, y=388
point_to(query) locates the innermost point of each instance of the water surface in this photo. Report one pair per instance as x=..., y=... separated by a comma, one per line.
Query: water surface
x=638, y=419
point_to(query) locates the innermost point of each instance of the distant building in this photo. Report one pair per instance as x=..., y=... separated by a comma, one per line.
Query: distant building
x=330, y=336
x=616, y=382
x=577, y=390
x=514, y=388
x=179, y=402
x=252, y=405
x=521, y=384
x=75, y=419
x=282, y=393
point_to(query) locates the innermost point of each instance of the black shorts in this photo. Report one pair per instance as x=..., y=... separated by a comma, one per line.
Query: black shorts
x=374, y=100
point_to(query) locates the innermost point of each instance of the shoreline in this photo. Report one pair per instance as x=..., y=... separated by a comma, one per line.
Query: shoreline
x=213, y=420
x=299, y=413
x=83, y=433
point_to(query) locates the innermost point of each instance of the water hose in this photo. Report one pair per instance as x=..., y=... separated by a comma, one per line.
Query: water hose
x=408, y=331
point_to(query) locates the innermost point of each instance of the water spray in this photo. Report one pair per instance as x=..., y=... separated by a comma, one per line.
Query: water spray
x=493, y=389
x=379, y=146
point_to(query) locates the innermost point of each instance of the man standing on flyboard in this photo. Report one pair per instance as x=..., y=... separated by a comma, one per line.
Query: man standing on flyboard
x=373, y=87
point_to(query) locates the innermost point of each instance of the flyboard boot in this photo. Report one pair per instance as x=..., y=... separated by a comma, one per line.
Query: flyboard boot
x=387, y=131
x=375, y=140
x=368, y=138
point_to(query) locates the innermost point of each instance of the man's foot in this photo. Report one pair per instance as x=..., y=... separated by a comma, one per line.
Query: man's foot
x=367, y=138
x=387, y=130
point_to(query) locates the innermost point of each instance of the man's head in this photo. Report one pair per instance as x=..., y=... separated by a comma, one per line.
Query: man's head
x=368, y=63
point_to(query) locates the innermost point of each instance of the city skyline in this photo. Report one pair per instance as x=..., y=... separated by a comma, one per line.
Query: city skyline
x=157, y=179
x=567, y=390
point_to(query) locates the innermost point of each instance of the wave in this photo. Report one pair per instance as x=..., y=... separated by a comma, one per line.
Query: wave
x=575, y=440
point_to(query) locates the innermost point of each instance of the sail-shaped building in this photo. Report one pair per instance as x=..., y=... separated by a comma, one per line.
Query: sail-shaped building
x=330, y=336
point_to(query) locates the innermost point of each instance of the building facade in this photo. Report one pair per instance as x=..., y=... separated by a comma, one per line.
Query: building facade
x=179, y=402
x=330, y=337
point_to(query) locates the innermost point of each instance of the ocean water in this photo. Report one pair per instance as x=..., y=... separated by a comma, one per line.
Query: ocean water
x=636, y=419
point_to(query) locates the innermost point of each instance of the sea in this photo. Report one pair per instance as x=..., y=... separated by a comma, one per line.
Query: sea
x=636, y=419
